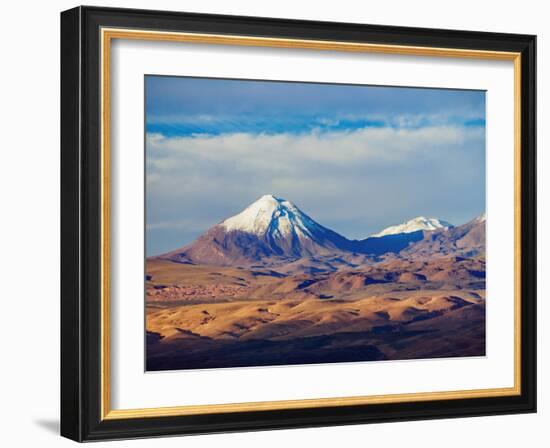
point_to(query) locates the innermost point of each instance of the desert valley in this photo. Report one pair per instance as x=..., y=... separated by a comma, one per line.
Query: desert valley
x=271, y=286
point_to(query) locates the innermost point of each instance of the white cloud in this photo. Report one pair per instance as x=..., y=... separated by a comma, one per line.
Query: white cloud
x=334, y=147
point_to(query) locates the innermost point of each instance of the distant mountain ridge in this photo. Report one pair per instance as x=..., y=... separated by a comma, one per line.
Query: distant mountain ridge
x=467, y=240
x=273, y=229
x=419, y=223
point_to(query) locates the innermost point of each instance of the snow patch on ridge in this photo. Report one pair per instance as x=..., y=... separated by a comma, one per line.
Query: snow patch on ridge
x=414, y=225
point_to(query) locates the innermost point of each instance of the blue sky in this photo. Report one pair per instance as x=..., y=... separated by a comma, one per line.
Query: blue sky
x=355, y=158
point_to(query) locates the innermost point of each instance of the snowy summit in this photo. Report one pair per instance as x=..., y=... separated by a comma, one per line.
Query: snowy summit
x=414, y=225
x=273, y=215
x=481, y=218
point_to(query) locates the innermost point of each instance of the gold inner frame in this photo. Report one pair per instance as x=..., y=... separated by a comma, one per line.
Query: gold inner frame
x=107, y=35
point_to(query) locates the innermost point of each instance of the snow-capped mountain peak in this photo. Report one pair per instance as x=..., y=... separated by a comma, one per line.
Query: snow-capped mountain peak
x=273, y=215
x=414, y=225
x=481, y=218
x=269, y=227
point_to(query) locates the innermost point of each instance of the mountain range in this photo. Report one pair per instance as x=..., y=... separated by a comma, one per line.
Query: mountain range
x=274, y=231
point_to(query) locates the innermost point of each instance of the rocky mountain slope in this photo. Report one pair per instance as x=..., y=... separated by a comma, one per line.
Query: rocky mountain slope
x=467, y=240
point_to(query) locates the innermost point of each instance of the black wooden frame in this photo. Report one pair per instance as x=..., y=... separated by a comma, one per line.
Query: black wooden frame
x=80, y=223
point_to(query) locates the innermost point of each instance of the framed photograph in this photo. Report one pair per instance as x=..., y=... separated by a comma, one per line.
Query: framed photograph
x=274, y=223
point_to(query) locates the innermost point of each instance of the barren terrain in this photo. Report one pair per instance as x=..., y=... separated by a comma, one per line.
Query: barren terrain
x=204, y=316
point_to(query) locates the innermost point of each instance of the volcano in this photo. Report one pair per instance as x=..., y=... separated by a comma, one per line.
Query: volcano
x=269, y=228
